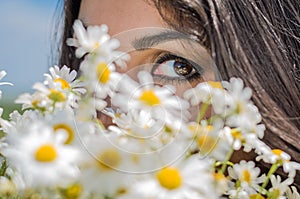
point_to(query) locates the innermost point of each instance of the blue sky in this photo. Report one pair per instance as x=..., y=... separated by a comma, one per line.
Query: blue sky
x=25, y=38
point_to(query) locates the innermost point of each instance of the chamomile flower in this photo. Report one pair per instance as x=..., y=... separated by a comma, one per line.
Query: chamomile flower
x=65, y=123
x=103, y=166
x=210, y=142
x=292, y=193
x=7, y=187
x=100, y=77
x=278, y=188
x=277, y=156
x=203, y=92
x=47, y=99
x=60, y=98
x=190, y=179
x=19, y=123
x=36, y=101
x=3, y=74
x=145, y=95
x=41, y=158
x=140, y=123
x=90, y=40
x=247, y=175
x=240, y=111
x=96, y=42
x=63, y=78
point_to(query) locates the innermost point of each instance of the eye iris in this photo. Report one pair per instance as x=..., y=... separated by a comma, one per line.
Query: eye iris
x=182, y=69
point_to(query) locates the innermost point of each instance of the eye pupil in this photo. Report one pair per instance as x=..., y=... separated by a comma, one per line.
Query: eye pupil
x=182, y=69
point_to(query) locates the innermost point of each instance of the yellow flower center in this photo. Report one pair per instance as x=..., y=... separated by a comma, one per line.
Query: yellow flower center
x=215, y=84
x=121, y=191
x=206, y=143
x=256, y=196
x=240, y=108
x=246, y=176
x=67, y=129
x=277, y=152
x=73, y=191
x=56, y=96
x=169, y=178
x=45, y=153
x=64, y=83
x=168, y=129
x=109, y=159
x=35, y=103
x=237, y=135
x=103, y=73
x=219, y=176
x=96, y=45
x=275, y=193
x=148, y=97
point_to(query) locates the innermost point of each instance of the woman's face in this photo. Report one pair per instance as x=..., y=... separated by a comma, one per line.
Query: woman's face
x=171, y=57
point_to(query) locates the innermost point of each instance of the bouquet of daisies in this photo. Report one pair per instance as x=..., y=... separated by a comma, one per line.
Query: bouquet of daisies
x=59, y=146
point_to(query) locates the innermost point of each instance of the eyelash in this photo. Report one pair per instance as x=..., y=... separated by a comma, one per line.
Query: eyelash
x=163, y=57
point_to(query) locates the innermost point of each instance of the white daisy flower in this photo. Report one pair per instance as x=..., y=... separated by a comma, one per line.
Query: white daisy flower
x=63, y=78
x=41, y=158
x=247, y=175
x=90, y=40
x=274, y=155
x=59, y=90
x=280, y=157
x=210, y=141
x=60, y=99
x=221, y=182
x=7, y=188
x=279, y=187
x=145, y=95
x=66, y=124
x=240, y=110
x=204, y=92
x=3, y=74
x=100, y=77
x=139, y=124
x=86, y=110
x=36, y=101
x=241, y=194
x=190, y=179
x=104, y=166
x=292, y=193
x=19, y=123
x=95, y=40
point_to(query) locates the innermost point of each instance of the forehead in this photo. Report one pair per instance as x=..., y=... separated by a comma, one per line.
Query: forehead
x=120, y=15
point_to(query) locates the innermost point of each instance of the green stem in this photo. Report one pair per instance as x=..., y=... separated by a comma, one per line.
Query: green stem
x=202, y=112
x=227, y=158
x=271, y=171
x=3, y=167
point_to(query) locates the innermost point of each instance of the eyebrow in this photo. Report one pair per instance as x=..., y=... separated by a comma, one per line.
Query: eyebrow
x=149, y=41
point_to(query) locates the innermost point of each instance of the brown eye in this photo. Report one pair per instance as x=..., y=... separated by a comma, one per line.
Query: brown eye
x=182, y=68
x=175, y=68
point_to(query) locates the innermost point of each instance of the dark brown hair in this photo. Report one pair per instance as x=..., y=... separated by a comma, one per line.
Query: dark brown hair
x=256, y=40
